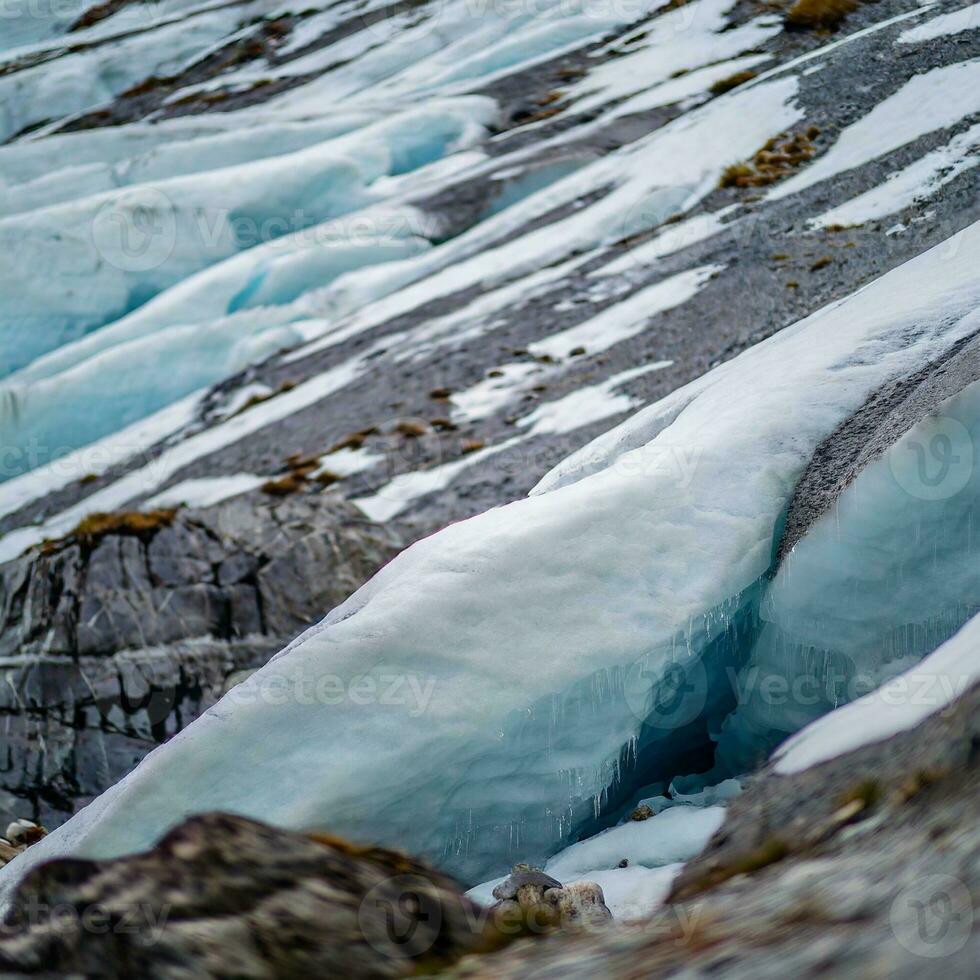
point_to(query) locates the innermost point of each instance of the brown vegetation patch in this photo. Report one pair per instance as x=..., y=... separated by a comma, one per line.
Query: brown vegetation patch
x=811, y=15
x=92, y=529
x=776, y=160
x=260, y=399
x=411, y=430
x=724, y=85
x=283, y=486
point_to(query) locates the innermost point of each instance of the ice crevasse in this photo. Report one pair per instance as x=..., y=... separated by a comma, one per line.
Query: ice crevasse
x=195, y=221
x=498, y=689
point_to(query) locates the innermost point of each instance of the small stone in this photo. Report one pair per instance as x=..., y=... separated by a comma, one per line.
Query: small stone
x=524, y=877
x=580, y=903
x=642, y=812
x=23, y=833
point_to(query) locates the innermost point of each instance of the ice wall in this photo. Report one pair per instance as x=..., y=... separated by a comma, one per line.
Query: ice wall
x=875, y=585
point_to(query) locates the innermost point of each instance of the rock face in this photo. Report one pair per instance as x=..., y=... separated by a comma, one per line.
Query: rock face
x=221, y=896
x=865, y=865
x=112, y=642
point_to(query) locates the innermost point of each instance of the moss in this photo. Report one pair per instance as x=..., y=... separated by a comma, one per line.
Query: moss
x=354, y=441
x=92, y=529
x=302, y=466
x=776, y=160
x=411, y=430
x=261, y=399
x=283, y=486
x=821, y=263
x=724, y=85
x=327, y=478
x=734, y=175
x=819, y=14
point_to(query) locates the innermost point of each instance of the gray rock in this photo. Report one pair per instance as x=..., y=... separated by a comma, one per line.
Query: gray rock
x=531, y=879
x=112, y=645
x=579, y=903
x=223, y=897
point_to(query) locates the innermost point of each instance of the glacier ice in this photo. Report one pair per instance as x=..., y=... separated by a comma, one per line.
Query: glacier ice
x=897, y=706
x=890, y=573
x=110, y=253
x=504, y=685
x=199, y=179
x=94, y=74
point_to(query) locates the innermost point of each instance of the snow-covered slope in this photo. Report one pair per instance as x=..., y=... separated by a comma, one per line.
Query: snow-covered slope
x=499, y=683
x=180, y=248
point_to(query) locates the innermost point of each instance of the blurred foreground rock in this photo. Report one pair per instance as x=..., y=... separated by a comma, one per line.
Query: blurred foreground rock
x=221, y=896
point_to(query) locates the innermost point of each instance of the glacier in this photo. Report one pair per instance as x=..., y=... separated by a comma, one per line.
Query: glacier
x=356, y=247
x=509, y=684
x=113, y=252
